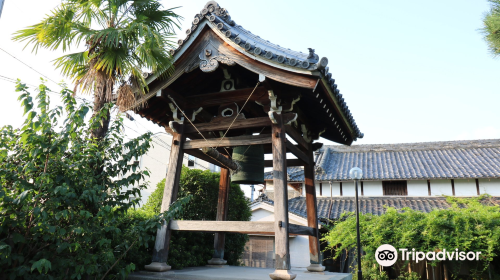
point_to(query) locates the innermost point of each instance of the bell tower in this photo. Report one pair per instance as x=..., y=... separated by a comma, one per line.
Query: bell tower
x=232, y=98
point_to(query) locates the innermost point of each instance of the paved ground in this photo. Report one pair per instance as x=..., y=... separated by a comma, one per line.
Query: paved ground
x=232, y=272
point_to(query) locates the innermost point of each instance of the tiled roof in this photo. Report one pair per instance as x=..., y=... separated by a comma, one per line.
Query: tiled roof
x=431, y=160
x=333, y=208
x=263, y=50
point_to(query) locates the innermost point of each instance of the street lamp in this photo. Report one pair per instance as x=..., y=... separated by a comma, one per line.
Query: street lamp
x=356, y=173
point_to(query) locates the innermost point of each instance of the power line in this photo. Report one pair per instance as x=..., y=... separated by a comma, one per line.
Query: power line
x=14, y=81
x=29, y=66
x=147, y=130
x=167, y=147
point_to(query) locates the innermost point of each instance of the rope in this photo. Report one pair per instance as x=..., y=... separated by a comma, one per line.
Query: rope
x=196, y=129
x=249, y=145
x=238, y=113
x=169, y=97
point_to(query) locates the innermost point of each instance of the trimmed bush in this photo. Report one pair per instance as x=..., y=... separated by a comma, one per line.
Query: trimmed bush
x=196, y=248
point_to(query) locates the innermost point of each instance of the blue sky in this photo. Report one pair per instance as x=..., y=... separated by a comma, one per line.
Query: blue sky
x=409, y=71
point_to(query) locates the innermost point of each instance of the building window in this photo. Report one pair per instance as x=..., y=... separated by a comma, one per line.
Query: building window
x=191, y=161
x=395, y=187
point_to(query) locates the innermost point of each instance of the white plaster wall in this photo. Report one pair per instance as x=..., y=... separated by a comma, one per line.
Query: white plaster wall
x=261, y=215
x=156, y=161
x=299, y=251
x=299, y=245
x=372, y=188
x=269, y=185
x=348, y=188
x=465, y=187
x=317, y=189
x=418, y=188
x=441, y=187
x=264, y=215
x=335, y=191
x=489, y=186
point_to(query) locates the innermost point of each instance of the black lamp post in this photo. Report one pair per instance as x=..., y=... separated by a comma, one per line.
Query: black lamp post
x=356, y=173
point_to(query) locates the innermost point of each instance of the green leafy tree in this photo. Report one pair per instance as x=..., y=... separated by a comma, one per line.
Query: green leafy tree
x=196, y=248
x=62, y=198
x=471, y=224
x=491, y=27
x=120, y=40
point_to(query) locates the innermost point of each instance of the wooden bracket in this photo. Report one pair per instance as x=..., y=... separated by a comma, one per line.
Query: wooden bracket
x=274, y=107
x=316, y=137
x=196, y=112
x=176, y=119
x=287, y=118
x=305, y=133
x=295, y=100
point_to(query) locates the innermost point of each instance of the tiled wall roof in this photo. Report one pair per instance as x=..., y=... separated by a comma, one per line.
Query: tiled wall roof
x=333, y=208
x=431, y=160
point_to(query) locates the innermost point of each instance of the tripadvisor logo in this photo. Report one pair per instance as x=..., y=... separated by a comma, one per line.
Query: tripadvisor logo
x=387, y=255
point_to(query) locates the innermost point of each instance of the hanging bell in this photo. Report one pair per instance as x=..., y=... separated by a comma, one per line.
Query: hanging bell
x=251, y=160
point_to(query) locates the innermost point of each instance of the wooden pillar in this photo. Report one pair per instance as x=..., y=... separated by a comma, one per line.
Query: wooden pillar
x=222, y=206
x=162, y=242
x=312, y=214
x=282, y=249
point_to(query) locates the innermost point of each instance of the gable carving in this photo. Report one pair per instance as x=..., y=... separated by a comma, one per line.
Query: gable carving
x=210, y=59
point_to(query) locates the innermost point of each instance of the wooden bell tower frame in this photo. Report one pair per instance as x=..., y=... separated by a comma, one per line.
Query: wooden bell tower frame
x=228, y=82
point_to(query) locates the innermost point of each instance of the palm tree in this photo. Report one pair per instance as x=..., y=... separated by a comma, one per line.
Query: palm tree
x=121, y=38
x=491, y=27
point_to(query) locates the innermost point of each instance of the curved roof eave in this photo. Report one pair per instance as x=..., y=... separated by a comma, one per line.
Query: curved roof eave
x=256, y=48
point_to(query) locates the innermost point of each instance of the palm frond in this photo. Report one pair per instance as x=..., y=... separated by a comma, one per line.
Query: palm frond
x=73, y=65
x=122, y=38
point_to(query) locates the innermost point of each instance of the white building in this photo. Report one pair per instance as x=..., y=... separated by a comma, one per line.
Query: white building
x=415, y=175
x=156, y=161
x=454, y=168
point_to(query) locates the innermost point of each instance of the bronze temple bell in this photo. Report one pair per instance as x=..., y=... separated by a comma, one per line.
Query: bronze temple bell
x=251, y=160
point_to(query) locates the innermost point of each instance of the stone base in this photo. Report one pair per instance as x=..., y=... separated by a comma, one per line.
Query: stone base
x=217, y=261
x=282, y=274
x=315, y=268
x=158, y=267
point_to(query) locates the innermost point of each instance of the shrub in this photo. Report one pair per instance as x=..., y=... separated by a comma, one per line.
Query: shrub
x=196, y=248
x=470, y=224
x=63, y=216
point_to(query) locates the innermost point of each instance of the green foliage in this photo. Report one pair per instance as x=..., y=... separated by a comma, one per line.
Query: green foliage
x=471, y=224
x=491, y=29
x=62, y=202
x=195, y=248
x=120, y=40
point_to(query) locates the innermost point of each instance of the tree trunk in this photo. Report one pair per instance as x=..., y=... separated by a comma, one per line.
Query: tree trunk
x=100, y=100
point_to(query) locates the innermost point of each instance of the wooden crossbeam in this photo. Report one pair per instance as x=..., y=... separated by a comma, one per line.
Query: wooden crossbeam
x=236, y=226
x=226, y=161
x=301, y=230
x=201, y=155
x=218, y=98
x=296, y=136
x=297, y=152
x=223, y=125
x=229, y=141
x=289, y=162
